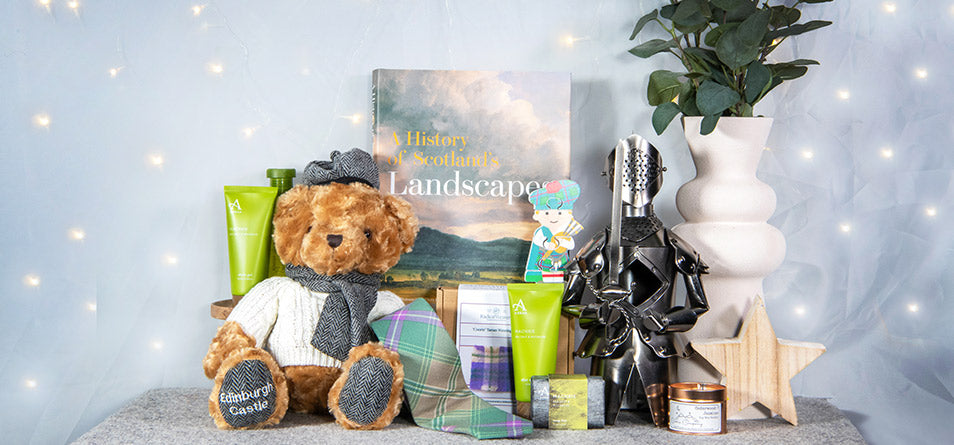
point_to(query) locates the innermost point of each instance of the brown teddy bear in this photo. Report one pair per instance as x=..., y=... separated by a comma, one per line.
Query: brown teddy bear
x=303, y=341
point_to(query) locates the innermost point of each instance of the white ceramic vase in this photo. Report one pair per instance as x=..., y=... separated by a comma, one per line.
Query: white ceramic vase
x=726, y=208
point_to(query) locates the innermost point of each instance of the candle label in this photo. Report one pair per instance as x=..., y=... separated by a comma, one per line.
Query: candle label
x=695, y=417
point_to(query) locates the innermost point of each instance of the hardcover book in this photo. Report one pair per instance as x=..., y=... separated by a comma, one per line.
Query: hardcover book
x=465, y=148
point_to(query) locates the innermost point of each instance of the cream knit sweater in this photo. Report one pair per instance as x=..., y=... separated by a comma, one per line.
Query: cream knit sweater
x=281, y=316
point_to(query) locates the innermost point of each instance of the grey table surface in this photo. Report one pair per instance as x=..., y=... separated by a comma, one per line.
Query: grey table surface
x=180, y=415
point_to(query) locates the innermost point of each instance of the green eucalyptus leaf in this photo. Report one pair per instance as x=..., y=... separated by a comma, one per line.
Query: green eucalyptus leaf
x=708, y=124
x=713, y=99
x=787, y=71
x=795, y=30
x=693, y=28
x=712, y=37
x=803, y=62
x=753, y=29
x=667, y=11
x=687, y=100
x=663, y=87
x=663, y=115
x=719, y=77
x=654, y=46
x=735, y=52
x=757, y=76
x=727, y=5
x=741, y=12
x=689, y=13
x=783, y=16
x=642, y=22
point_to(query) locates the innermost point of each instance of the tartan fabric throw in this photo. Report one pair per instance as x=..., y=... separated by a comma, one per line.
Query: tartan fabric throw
x=434, y=386
x=490, y=369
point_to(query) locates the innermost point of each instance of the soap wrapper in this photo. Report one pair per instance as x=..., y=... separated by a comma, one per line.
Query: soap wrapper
x=567, y=401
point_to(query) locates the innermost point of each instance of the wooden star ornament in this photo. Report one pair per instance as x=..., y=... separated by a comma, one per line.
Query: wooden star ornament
x=757, y=366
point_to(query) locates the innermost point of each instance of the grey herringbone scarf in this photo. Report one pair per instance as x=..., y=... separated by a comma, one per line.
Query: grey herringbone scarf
x=343, y=322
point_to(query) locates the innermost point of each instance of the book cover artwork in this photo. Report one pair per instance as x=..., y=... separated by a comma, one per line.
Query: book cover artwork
x=465, y=148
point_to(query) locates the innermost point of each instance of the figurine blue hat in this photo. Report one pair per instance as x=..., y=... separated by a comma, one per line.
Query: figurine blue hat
x=555, y=195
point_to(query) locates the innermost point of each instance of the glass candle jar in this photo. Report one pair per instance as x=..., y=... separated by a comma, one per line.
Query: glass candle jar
x=697, y=408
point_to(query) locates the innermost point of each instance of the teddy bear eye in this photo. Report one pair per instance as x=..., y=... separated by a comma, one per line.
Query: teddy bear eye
x=367, y=234
x=308, y=230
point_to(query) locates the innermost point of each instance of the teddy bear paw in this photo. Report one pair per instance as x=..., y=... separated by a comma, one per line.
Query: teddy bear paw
x=368, y=394
x=250, y=391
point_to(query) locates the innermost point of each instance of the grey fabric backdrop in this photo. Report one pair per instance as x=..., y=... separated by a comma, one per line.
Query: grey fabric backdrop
x=121, y=121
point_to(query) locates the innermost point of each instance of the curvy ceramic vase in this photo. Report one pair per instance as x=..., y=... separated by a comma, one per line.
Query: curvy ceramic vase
x=726, y=208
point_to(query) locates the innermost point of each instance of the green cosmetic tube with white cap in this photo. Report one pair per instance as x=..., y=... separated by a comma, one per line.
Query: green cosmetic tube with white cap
x=248, y=212
x=534, y=332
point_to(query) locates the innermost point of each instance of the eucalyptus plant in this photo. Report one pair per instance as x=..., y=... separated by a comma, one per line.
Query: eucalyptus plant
x=724, y=46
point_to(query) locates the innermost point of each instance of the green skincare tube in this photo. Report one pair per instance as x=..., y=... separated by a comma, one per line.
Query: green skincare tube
x=248, y=211
x=534, y=329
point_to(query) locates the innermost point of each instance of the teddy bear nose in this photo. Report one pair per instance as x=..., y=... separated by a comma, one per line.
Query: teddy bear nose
x=334, y=240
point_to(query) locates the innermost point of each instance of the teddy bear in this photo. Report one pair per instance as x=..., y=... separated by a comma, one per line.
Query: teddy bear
x=302, y=342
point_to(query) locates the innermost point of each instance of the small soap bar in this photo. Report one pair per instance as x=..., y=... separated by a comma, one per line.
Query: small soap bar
x=567, y=401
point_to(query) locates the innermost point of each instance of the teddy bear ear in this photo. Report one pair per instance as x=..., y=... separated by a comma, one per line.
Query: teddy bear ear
x=292, y=217
x=407, y=221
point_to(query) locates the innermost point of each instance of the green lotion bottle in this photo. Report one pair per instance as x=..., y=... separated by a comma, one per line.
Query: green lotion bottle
x=282, y=179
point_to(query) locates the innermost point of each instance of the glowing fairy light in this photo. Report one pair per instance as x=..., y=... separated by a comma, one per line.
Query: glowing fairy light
x=305, y=72
x=889, y=7
x=91, y=307
x=355, y=118
x=808, y=154
x=113, y=72
x=248, y=132
x=844, y=94
x=921, y=73
x=156, y=160
x=45, y=4
x=170, y=259
x=216, y=68
x=77, y=234
x=32, y=280
x=197, y=10
x=73, y=4
x=568, y=41
x=913, y=307
x=800, y=310
x=930, y=211
x=844, y=227
x=157, y=345
x=42, y=120
x=30, y=383
x=887, y=153
x=776, y=41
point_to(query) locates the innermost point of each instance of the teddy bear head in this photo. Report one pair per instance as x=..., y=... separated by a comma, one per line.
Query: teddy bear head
x=338, y=227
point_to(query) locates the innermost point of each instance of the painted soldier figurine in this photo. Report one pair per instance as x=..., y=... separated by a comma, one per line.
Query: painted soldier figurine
x=631, y=268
